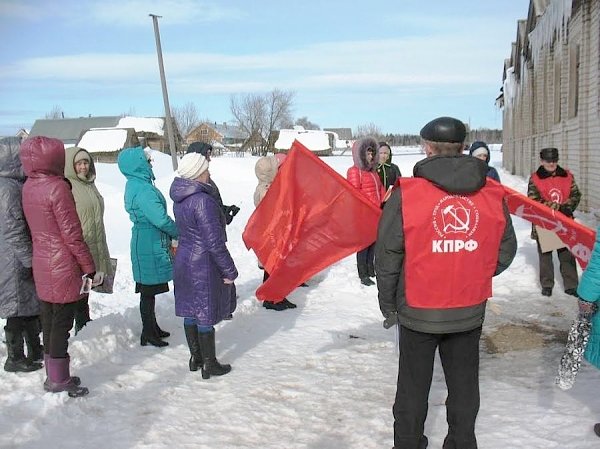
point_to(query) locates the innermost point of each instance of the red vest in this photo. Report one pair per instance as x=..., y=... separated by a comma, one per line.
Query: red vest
x=451, y=242
x=554, y=188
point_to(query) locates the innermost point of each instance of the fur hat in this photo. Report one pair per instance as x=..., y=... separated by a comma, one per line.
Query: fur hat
x=549, y=154
x=192, y=165
x=80, y=156
x=444, y=129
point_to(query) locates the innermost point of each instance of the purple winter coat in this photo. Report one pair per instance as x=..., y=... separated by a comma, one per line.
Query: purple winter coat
x=202, y=260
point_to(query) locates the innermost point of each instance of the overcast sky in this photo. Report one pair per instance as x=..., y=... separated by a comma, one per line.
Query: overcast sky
x=394, y=63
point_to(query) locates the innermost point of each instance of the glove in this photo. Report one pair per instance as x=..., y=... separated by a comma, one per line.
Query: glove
x=586, y=309
x=230, y=212
x=390, y=320
x=566, y=209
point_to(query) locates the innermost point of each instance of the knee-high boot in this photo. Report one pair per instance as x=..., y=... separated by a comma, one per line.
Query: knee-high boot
x=149, y=334
x=210, y=365
x=193, y=341
x=32, y=327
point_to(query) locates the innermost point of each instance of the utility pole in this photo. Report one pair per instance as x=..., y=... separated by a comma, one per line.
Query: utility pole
x=163, y=82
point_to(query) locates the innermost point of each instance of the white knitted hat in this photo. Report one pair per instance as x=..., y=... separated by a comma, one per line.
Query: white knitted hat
x=192, y=165
x=480, y=150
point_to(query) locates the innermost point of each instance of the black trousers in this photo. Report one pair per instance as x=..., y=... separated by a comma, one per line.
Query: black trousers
x=459, y=353
x=57, y=321
x=365, y=259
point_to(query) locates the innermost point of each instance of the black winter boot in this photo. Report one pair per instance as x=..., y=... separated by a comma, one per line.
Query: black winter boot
x=149, y=334
x=210, y=366
x=16, y=361
x=191, y=335
x=32, y=327
x=161, y=333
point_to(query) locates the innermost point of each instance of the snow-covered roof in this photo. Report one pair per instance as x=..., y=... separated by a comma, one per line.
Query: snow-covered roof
x=311, y=139
x=103, y=139
x=143, y=124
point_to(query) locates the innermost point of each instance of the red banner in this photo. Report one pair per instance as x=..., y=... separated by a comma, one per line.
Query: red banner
x=577, y=237
x=310, y=218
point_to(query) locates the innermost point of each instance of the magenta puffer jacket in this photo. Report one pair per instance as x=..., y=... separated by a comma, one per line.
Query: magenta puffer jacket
x=60, y=256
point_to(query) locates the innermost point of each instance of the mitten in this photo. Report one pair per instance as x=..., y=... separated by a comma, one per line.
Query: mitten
x=391, y=319
x=586, y=309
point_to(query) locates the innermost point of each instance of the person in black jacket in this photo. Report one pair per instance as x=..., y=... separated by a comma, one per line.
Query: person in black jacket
x=437, y=226
x=388, y=172
x=206, y=149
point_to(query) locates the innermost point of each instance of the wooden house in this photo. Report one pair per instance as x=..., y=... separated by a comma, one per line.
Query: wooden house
x=225, y=135
x=551, y=92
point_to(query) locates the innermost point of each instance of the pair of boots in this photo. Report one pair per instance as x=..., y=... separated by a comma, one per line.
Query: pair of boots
x=202, y=350
x=58, y=377
x=18, y=332
x=151, y=333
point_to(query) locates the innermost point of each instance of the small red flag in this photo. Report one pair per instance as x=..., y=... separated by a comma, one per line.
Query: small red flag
x=310, y=218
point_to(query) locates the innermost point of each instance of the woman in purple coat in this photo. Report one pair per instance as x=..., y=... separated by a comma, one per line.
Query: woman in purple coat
x=203, y=271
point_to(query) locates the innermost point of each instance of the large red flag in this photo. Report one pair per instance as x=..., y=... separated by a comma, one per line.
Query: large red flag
x=577, y=237
x=310, y=218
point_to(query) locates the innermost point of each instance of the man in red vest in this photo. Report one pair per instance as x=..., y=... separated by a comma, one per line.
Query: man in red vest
x=555, y=187
x=442, y=236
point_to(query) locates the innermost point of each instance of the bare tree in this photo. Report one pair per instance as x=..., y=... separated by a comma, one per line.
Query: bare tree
x=259, y=115
x=186, y=117
x=368, y=129
x=55, y=113
x=306, y=123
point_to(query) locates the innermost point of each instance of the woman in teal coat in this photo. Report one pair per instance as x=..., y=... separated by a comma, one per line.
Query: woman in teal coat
x=589, y=294
x=152, y=238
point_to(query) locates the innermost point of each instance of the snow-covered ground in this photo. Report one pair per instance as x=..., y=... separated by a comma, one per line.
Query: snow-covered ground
x=322, y=376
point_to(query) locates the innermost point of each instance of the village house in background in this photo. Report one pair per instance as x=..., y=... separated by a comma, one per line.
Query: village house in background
x=221, y=136
x=105, y=136
x=551, y=92
x=322, y=143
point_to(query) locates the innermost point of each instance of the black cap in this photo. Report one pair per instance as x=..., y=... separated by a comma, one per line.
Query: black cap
x=200, y=147
x=444, y=129
x=549, y=154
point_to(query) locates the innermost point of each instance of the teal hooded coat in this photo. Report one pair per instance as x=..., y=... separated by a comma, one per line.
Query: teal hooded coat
x=152, y=229
x=589, y=290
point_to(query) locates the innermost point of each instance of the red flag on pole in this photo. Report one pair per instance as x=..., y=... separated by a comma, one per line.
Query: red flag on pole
x=310, y=218
x=577, y=237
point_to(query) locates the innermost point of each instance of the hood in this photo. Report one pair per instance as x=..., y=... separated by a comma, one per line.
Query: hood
x=133, y=163
x=453, y=174
x=266, y=169
x=10, y=163
x=70, y=173
x=181, y=188
x=479, y=144
x=43, y=156
x=359, y=153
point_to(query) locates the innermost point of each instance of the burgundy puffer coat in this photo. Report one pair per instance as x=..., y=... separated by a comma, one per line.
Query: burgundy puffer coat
x=60, y=256
x=363, y=175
